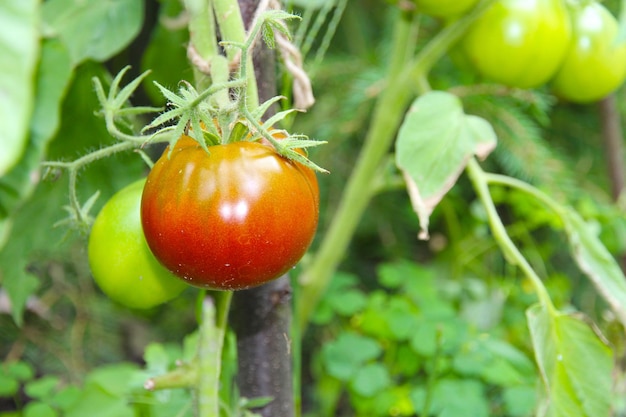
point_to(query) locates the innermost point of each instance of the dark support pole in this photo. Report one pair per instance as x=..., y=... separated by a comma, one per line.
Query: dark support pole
x=261, y=317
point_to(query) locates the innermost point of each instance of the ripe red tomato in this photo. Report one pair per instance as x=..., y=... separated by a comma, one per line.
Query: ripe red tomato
x=520, y=43
x=232, y=219
x=120, y=260
x=444, y=8
x=595, y=64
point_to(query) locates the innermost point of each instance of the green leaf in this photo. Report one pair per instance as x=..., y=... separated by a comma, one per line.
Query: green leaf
x=66, y=397
x=21, y=371
x=93, y=29
x=495, y=361
x=519, y=401
x=433, y=146
x=370, y=380
x=42, y=388
x=106, y=393
x=38, y=409
x=575, y=364
x=454, y=398
x=156, y=358
x=8, y=385
x=113, y=379
x=596, y=262
x=433, y=334
x=345, y=356
x=19, y=43
x=54, y=75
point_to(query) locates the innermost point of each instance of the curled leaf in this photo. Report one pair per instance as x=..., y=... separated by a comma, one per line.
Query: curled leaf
x=433, y=146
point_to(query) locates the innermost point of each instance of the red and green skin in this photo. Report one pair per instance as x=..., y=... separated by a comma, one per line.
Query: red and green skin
x=234, y=218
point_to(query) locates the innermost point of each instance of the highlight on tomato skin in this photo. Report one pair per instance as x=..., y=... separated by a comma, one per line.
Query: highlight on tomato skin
x=234, y=218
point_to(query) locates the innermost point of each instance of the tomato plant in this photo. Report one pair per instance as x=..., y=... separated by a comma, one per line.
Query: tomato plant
x=120, y=260
x=595, y=64
x=233, y=218
x=520, y=43
x=444, y=8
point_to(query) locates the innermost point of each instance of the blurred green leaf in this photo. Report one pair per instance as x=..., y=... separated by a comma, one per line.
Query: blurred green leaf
x=66, y=397
x=93, y=29
x=431, y=334
x=495, y=361
x=21, y=371
x=113, y=379
x=8, y=385
x=348, y=303
x=401, y=317
x=344, y=356
x=156, y=358
x=42, y=388
x=341, y=286
x=370, y=379
x=520, y=401
x=575, y=364
x=38, y=409
x=434, y=143
x=94, y=402
x=19, y=43
x=454, y=398
x=106, y=392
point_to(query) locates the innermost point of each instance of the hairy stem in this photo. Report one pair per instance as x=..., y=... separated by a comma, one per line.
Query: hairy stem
x=212, y=332
x=232, y=29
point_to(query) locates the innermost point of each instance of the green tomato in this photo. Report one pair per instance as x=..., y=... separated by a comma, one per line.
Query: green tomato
x=120, y=260
x=520, y=43
x=444, y=8
x=595, y=64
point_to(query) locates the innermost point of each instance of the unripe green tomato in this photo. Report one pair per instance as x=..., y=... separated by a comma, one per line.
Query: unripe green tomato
x=120, y=260
x=595, y=64
x=520, y=43
x=444, y=8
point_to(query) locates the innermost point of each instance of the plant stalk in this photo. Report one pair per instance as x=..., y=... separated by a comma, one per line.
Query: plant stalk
x=388, y=113
x=511, y=253
x=210, y=343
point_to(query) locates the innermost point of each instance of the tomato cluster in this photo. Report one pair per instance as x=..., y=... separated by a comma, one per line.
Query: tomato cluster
x=570, y=45
x=231, y=218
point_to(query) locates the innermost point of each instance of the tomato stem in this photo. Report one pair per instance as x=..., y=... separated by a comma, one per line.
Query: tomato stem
x=480, y=180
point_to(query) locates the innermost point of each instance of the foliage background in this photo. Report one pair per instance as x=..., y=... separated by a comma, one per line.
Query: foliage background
x=59, y=326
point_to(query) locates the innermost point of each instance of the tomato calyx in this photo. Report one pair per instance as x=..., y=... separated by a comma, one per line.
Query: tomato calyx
x=209, y=126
